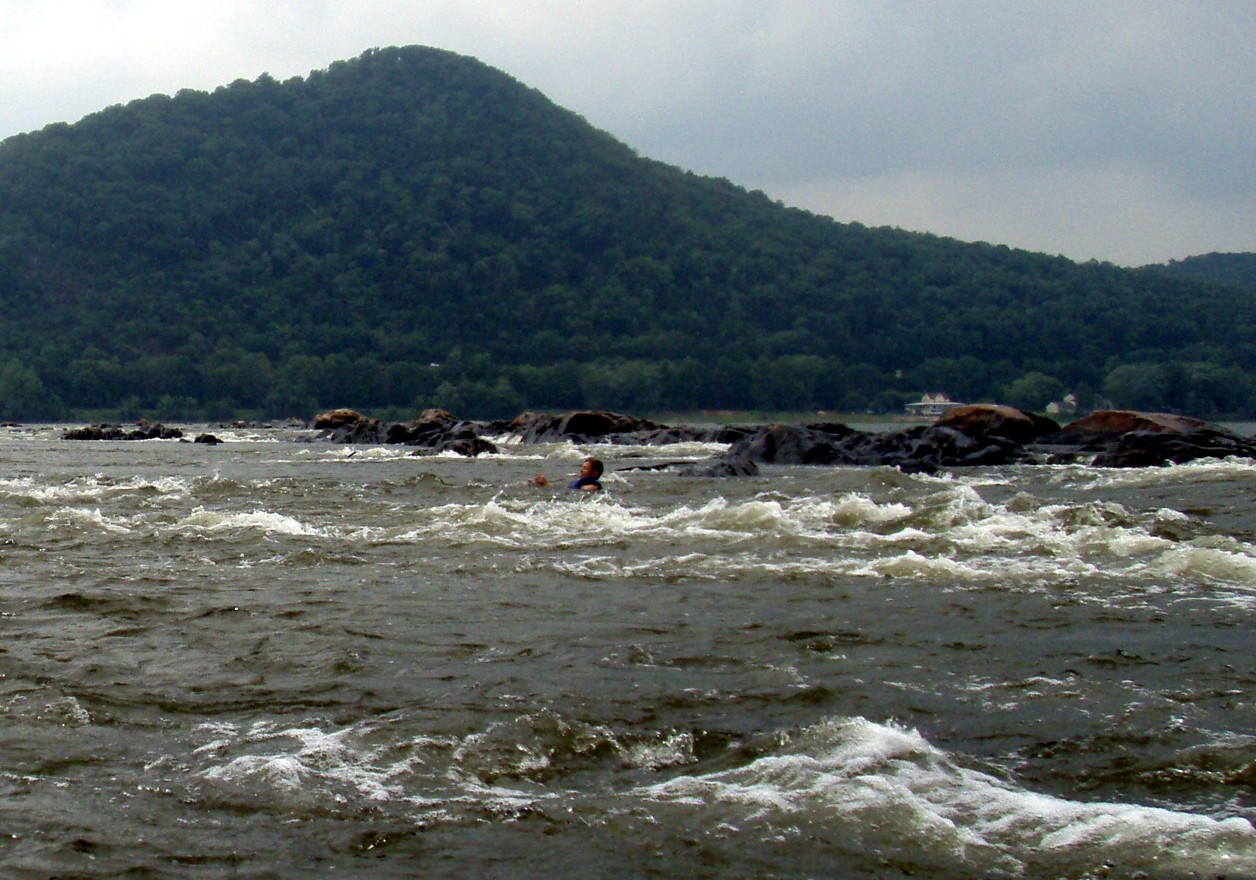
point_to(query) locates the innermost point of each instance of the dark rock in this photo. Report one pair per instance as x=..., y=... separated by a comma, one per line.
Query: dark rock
x=914, y=466
x=727, y=465
x=530, y=427
x=158, y=432
x=93, y=432
x=682, y=434
x=208, y=439
x=988, y=456
x=406, y=432
x=143, y=431
x=435, y=429
x=728, y=433
x=470, y=447
x=919, y=449
x=363, y=430
x=1154, y=448
x=579, y=426
x=432, y=428
x=980, y=435
x=601, y=424
x=796, y=444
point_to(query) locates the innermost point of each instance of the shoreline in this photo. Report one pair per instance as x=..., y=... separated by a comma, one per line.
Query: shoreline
x=963, y=436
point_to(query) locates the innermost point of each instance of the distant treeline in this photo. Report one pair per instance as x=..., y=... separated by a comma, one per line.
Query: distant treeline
x=230, y=383
x=413, y=228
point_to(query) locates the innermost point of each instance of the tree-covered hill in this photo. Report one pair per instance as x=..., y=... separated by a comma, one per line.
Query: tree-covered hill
x=414, y=228
x=1235, y=270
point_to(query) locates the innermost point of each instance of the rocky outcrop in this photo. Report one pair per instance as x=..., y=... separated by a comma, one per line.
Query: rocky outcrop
x=336, y=418
x=987, y=435
x=467, y=446
x=988, y=420
x=800, y=444
x=142, y=431
x=982, y=436
x=1121, y=438
x=577, y=427
x=728, y=465
x=1152, y=448
x=1106, y=426
x=435, y=431
x=965, y=436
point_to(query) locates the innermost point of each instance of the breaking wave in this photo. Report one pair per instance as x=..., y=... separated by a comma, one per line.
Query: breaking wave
x=858, y=785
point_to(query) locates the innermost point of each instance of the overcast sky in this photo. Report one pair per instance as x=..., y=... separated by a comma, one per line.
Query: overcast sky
x=1121, y=131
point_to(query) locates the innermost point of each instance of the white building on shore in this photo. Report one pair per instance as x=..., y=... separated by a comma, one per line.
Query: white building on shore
x=931, y=404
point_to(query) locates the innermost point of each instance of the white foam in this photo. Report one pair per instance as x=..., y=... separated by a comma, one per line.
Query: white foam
x=306, y=766
x=1208, y=563
x=729, y=565
x=91, y=488
x=303, y=763
x=91, y=518
x=1192, y=473
x=887, y=786
x=855, y=510
x=672, y=750
x=202, y=521
x=242, y=435
x=950, y=534
x=913, y=564
x=373, y=453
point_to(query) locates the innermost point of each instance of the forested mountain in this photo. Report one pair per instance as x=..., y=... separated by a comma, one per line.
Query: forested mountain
x=1236, y=270
x=414, y=228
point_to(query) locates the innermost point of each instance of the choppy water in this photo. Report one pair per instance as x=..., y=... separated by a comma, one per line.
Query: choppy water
x=272, y=658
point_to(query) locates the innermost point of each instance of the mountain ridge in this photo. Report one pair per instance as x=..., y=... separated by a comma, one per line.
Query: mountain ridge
x=1231, y=269
x=413, y=227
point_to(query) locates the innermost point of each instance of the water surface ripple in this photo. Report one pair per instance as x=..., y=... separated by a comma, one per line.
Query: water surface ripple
x=278, y=658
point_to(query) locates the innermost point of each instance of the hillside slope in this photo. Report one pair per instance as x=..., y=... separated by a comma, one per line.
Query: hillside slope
x=1234, y=270
x=413, y=227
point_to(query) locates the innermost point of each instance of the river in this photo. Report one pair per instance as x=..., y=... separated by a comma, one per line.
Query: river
x=283, y=658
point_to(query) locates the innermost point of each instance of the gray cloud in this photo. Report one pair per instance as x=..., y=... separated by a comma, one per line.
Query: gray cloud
x=1112, y=130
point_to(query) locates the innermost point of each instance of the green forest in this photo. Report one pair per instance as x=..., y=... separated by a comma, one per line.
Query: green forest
x=1236, y=270
x=413, y=228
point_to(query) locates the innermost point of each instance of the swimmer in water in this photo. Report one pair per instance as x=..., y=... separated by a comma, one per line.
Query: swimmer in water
x=588, y=481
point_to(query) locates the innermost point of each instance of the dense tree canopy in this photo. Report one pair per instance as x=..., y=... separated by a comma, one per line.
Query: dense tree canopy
x=1235, y=270
x=413, y=228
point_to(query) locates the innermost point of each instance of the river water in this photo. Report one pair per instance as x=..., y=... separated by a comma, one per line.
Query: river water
x=280, y=658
